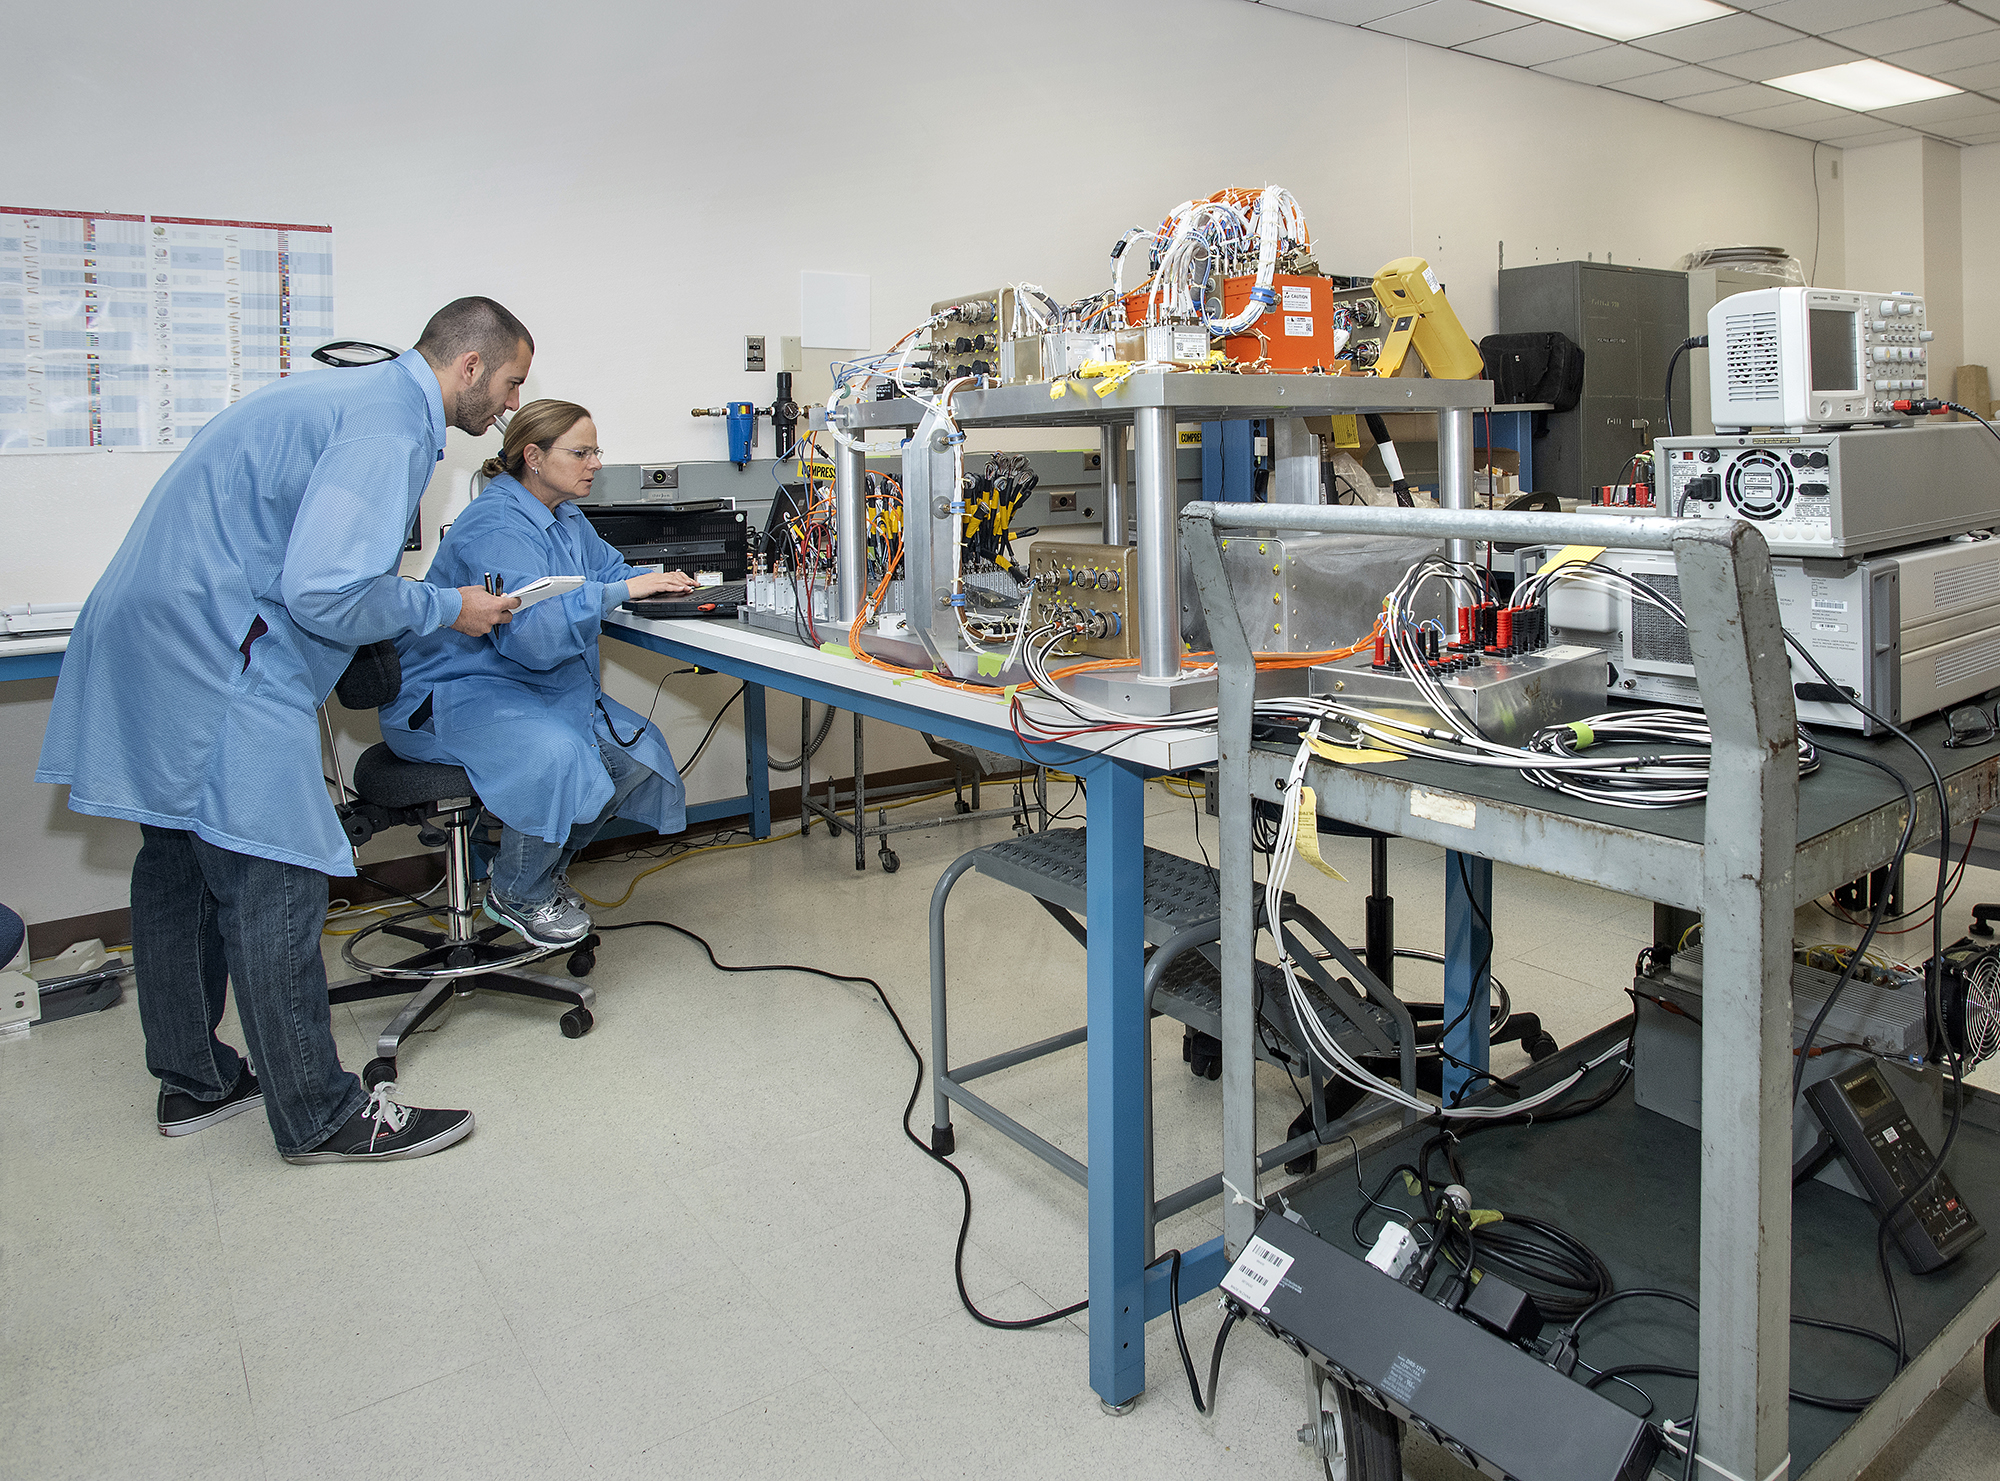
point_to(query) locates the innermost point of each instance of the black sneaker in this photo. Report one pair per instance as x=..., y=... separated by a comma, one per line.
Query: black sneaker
x=384, y=1131
x=181, y=1114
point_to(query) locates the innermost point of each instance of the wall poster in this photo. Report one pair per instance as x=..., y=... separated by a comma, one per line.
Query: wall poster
x=122, y=331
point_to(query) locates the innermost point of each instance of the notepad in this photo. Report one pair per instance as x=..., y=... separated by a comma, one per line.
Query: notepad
x=546, y=587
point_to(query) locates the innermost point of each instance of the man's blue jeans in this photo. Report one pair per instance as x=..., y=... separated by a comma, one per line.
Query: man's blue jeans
x=524, y=871
x=203, y=918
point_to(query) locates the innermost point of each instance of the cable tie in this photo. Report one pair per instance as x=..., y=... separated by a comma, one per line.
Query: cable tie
x=1236, y=1195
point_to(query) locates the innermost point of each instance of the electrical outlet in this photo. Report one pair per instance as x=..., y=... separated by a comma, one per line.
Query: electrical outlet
x=1062, y=503
x=1093, y=461
x=791, y=357
x=659, y=475
x=753, y=352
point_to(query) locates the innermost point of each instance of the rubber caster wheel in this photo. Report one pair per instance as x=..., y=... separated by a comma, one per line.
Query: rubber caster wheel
x=461, y=958
x=961, y=806
x=1357, y=1440
x=576, y=1023
x=890, y=863
x=379, y=1072
x=580, y=963
x=1542, y=1046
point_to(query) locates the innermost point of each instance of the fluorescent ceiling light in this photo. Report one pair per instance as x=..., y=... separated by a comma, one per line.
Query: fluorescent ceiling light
x=1621, y=20
x=1863, y=86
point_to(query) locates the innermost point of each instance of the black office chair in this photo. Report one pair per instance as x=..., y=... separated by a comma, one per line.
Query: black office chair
x=463, y=958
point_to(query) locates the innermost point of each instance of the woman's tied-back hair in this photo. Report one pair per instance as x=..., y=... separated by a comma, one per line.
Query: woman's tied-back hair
x=538, y=423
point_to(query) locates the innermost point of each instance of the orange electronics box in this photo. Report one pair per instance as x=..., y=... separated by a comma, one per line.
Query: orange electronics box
x=1294, y=334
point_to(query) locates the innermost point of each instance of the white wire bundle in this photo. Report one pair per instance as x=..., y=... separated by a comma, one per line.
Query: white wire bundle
x=1319, y=1039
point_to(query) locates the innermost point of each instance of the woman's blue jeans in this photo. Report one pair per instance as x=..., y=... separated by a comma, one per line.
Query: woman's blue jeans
x=524, y=871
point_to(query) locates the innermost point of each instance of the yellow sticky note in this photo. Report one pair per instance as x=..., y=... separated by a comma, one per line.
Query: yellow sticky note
x=1570, y=553
x=1352, y=755
x=1307, y=836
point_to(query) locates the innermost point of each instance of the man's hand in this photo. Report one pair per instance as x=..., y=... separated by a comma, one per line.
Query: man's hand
x=482, y=611
x=656, y=583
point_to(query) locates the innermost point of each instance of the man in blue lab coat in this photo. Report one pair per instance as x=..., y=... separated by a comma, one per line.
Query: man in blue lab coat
x=262, y=559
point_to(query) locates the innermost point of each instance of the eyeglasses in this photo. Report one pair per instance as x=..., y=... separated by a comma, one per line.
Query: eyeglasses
x=581, y=454
x=1970, y=725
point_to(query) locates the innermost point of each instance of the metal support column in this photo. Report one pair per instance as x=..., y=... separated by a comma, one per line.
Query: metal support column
x=1455, y=471
x=1116, y=1063
x=1294, y=463
x=1117, y=479
x=1159, y=595
x=756, y=761
x=1747, y=903
x=1468, y=968
x=850, y=528
x=1235, y=698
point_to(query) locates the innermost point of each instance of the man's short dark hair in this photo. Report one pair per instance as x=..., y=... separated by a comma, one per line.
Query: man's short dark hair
x=473, y=324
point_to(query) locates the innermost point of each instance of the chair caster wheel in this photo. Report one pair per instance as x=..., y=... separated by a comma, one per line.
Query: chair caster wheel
x=944, y=1140
x=576, y=1023
x=1542, y=1046
x=890, y=863
x=378, y=1072
x=1204, y=1056
x=961, y=806
x=461, y=957
x=580, y=963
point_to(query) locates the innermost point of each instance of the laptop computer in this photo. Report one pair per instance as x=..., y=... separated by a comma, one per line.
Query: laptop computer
x=703, y=602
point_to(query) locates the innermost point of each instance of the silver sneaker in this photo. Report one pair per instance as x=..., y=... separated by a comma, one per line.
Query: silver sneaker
x=566, y=892
x=555, y=922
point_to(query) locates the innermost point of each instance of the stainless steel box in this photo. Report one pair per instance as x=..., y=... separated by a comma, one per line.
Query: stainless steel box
x=1509, y=699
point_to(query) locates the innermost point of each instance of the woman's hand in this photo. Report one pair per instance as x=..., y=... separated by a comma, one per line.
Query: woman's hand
x=658, y=583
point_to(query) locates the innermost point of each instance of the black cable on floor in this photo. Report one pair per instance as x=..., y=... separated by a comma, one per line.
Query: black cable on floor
x=916, y=1089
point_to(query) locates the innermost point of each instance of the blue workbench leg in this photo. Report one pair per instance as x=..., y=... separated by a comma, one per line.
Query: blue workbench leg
x=1118, y=1046
x=756, y=761
x=1468, y=947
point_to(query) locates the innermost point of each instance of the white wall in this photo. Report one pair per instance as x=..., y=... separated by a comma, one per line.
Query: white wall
x=1979, y=197
x=643, y=183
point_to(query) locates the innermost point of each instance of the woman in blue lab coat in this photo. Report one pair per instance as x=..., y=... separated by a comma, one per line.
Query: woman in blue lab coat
x=523, y=710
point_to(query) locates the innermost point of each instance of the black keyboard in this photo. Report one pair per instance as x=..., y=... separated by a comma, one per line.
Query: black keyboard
x=706, y=602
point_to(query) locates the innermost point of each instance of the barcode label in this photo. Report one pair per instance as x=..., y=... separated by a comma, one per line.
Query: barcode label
x=1825, y=604
x=1256, y=1273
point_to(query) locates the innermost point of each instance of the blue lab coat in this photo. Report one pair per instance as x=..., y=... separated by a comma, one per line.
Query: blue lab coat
x=518, y=708
x=261, y=560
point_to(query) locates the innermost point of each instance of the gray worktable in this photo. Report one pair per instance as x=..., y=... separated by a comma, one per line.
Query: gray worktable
x=1765, y=842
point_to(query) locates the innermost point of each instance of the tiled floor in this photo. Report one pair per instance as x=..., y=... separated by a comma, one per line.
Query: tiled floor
x=693, y=1243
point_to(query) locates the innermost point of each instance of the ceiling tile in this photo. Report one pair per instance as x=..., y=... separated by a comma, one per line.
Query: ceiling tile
x=1781, y=61
x=1729, y=102
x=1942, y=58
x=1613, y=64
x=1845, y=131
x=1540, y=42
x=1984, y=78
x=1675, y=83
x=1817, y=17
x=1919, y=28
x=1450, y=22
x=1717, y=38
x=1799, y=110
x=1992, y=138
x=1835, y=132
x=1347, y=12
x=1984, y=7
x=1880, y=136
x=1943, y=111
